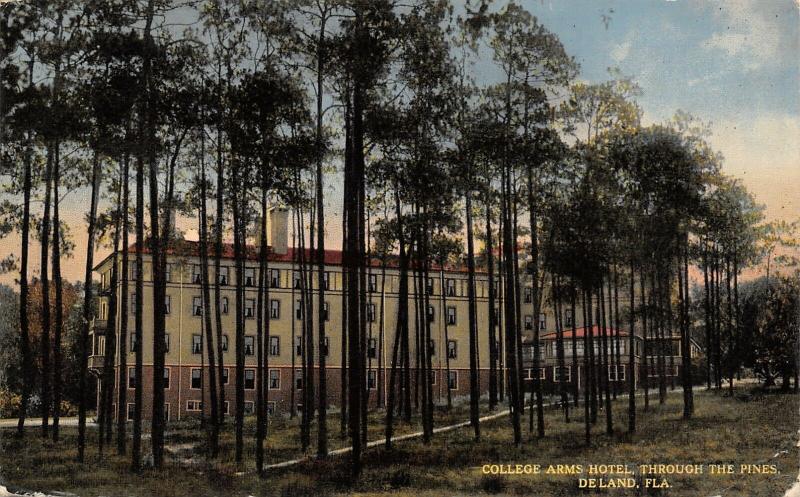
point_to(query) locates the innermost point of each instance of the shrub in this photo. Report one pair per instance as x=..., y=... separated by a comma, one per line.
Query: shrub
x=9, y=403
x=493, y=484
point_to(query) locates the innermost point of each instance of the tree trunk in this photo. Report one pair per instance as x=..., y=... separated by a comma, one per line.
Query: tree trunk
x=473, y=326
x=45, y=343
x=122, y=399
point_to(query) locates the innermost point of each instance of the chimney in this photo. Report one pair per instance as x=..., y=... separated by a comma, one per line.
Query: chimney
x=279, y=230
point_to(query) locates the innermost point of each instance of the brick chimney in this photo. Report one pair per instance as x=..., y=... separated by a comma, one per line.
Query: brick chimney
x=279, y=230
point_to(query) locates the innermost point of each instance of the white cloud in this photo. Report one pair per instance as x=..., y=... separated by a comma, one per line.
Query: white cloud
x=621, y=51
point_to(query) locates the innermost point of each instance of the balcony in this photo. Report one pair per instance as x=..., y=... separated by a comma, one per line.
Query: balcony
x=99, y=326
x=96, y=362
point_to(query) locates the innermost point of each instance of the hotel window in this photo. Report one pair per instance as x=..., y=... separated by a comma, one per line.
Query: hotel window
x=452, y=380
x=528, y=322
x=496, y=317
x=223, y=275
x=274, y=309
x=561, y=374
x=248, y=408
x=226, y=406
x=194, y=406
x=197, y=344
x=133, y=302
x=432, y=348
x=197, y=379
x=542, y=321
x=431, y=313
x=325, y=312
x=134, y=343
x=249, y=276
x=298, y=346
x=373, y=283
x=225, y=306
x=168, y=273
x=451, y=288
x=372, y=379
x=451, y=315
x=527, y=294
x=429, y=286
x=433, y=377
x=249, y=348
x=568, y=317
x=619, y=374
x=298, y=309
x=528, y=374
x=452, y=349
x=225, y=376
x=197, y=306
x=166, y=378
x=167, y=304
x=103, y=310
x=196, y=278
x=270, y=407
x=131, y=377
x=370, y=312
x=298, y=379
x=296, y=278
x=326, y=280
x=224, y=343
x=103, y=283
x=131, y=411
x=324, y=347
x=249, y=308
x=275, y=278
x=372, y=348
x=542, y=373
x=274, y=346
x=134, y=270
x=274, y=379
x=166, y=342
x=249, y=379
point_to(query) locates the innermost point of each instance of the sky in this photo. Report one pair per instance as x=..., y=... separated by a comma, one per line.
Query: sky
x=734, y=64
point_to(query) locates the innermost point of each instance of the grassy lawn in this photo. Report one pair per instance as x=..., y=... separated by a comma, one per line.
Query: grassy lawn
x=724, y=430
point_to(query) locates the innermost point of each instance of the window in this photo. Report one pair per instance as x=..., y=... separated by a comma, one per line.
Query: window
x=496, y=317
x=274, y=309
x=298, y=309
x=296, y=278
x=452, y=350
x=298, y=379
x=275, y=278
x=270, y=407
x=131, y=411
x=370, y=312
x=432, y=348
x=274, y=346
x=223, y=276
x=168, y=273
x=249, y=347
x=528, y=322
x=225, y=305
x=248, y=408
x=249, y=276
x=451, y=288
x=103, y=283
x=451, y=315
x=372, y=379
x=325, y=312
x=433, y=377
x=197, y=306
x=131, y=377
x=528, y=374
x=166, y=342
x=542, y=373
x=134, y=343
x=249, y=379
x=373, y=283
x=431, y=313
x=196, y=278
x=103, y=309
x=194, y=405
x=372, y=348
x=134, y=271
x=429, y=286
x=225, y=377
x=561, y=374
x=224, y=343
x=324, y=347
x=274, y=379
x=568, y=317
x=527, y=294
x=542, y=321
x=197, y=379
x=326, y=280
x=197, y=344
x=616, y=372
x=226, y=407
x=452, y=380
x=166, y=378
x=249, y=308
x=133, y=302
x=167, y=304
x=298, y=345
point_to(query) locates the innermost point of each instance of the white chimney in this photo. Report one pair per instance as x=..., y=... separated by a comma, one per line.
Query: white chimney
x=279, y=230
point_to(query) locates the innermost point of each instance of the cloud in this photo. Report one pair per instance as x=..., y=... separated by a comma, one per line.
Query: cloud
x=755, y=34
x=621, y=51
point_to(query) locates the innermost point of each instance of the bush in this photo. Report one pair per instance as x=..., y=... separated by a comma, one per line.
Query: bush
x=9, y=403
x=493, y=484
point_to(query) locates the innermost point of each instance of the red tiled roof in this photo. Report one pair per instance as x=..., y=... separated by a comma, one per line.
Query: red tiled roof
x=580, y=332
